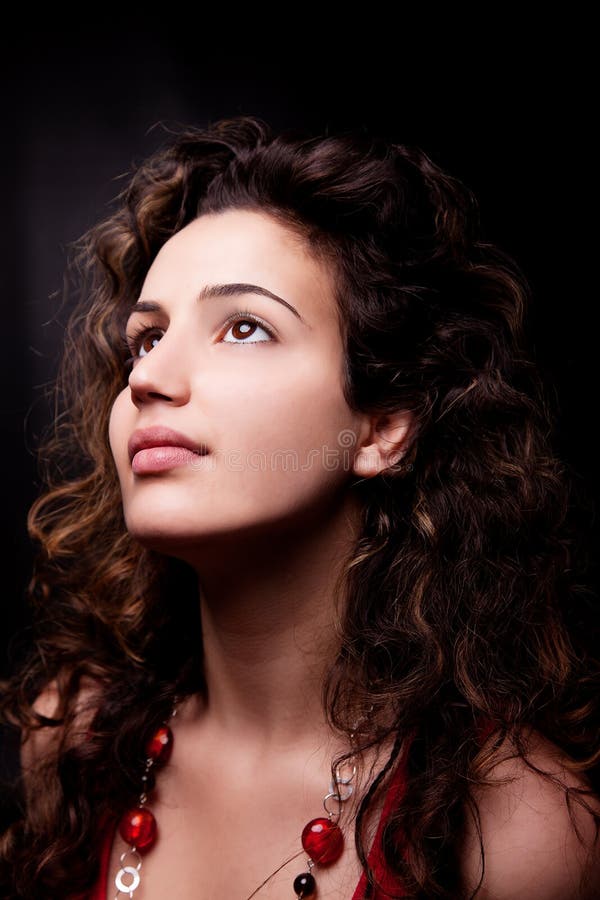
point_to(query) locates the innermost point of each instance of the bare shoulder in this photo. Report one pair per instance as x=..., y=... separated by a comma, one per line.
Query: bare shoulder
x=37, y=743
x=532, y=848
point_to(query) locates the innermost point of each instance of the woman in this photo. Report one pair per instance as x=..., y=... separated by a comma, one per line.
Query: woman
x=302, y=509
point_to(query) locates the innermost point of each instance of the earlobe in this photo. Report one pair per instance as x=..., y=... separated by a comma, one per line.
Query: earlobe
x=384, y=444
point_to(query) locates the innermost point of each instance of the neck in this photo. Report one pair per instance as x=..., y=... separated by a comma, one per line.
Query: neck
x=270, y=631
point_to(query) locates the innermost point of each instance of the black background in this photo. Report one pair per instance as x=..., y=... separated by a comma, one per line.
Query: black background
x=506, y=107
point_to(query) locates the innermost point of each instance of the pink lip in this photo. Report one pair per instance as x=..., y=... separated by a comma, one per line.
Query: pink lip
x=160, y=436
x=157, y=459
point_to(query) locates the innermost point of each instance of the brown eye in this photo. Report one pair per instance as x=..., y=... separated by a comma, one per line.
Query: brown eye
x=141, y=342
x=247, y=327
x=147, y=342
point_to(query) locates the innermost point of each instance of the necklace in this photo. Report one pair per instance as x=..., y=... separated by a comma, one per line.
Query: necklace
x=322, y=838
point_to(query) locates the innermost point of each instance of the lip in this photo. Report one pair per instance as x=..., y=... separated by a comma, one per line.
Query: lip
x=161, y=436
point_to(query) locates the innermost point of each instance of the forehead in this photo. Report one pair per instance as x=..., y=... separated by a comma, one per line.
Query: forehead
x=243, y=246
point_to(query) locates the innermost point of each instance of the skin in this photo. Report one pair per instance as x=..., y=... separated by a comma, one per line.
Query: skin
x=251, y=766
x=532, y=851
x=266, y=538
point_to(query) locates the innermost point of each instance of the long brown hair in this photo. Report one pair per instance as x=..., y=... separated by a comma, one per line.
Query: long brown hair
x=463, y=596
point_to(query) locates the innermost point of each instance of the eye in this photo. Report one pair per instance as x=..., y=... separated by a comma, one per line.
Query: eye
x=245, y=324
x=138, y=341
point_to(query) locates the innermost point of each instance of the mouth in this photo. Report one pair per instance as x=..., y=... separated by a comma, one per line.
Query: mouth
x=161, y=436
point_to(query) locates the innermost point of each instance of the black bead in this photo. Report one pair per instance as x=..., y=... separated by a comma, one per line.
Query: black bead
x=305, y=885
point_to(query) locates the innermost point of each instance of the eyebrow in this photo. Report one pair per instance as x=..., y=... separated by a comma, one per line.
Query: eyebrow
x=221, y=290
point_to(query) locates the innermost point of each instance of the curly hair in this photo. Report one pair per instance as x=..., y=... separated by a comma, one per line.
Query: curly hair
x=465, y=597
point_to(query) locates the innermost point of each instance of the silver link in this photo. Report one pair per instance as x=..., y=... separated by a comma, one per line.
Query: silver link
x=123, y=888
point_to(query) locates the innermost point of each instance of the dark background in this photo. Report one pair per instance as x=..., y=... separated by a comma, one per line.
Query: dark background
x=503, y=107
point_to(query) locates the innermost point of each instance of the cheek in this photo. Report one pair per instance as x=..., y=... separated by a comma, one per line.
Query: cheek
x=300, y=417
x=117, y=428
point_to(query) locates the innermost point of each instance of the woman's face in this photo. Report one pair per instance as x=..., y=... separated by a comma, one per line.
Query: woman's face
x=263, y=398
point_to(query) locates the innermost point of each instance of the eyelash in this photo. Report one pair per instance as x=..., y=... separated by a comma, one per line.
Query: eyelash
x=131, y=342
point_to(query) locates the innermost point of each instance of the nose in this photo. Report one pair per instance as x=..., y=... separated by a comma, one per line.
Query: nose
x=163, y=373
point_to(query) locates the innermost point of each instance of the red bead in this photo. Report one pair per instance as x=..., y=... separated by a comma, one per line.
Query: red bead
x=323, y=841
x=160, y=745
x=138, y=826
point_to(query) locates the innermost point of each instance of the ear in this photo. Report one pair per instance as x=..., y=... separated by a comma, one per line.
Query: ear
x=383, y=442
